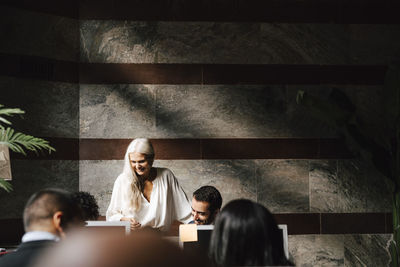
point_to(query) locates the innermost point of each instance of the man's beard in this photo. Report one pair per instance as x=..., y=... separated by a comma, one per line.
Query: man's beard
x=207, y=221
x=201, y=221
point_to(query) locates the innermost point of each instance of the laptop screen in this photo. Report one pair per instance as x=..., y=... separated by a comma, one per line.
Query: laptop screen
x=118, y=226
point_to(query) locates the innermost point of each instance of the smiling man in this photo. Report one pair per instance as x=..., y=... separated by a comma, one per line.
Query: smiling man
x=206, y=203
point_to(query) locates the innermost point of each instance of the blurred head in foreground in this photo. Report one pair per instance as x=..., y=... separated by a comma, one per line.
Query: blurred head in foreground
x=246, y=234
x=144, y=247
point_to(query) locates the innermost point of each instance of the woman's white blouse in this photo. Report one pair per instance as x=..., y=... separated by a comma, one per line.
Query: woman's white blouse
x=168, y=202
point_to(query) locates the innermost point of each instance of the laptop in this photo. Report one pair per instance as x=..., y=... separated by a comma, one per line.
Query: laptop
x=200, y=246
x=283, y=228
x=204, y=236
x=119, y=226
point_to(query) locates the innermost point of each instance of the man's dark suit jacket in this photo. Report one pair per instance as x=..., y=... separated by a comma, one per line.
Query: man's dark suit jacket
x=25, y=254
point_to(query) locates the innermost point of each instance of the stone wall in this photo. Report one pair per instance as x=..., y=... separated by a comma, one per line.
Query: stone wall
x=52, y=107
x=119, y=110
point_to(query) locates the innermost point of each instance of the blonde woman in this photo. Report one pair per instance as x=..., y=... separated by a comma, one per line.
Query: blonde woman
x=145, y=195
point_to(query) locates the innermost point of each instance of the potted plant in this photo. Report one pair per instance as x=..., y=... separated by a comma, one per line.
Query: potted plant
x=16, y=141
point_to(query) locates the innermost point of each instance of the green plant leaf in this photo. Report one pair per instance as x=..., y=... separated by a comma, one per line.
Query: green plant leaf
x=8, y=112
x=3, y=120
x=5, y=185
x=11, y=111
x=19, y=142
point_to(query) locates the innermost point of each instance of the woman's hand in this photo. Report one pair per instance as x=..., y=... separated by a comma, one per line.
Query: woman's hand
x=134, y=224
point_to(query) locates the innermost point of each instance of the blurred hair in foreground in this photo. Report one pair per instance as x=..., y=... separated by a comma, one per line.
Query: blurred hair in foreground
x=246, y=234
x=144, y=247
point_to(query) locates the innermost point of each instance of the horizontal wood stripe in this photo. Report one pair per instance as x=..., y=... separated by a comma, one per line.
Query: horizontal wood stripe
x=287, y=11
x=349, y=223
x=11, y=230
x=64, y=8
x=189, y=149
x=168, y=149
x=66, y=149
x=115, y=73
x=39, y=68
x=106, y=73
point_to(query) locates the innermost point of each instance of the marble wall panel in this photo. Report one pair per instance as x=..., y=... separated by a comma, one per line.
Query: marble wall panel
x=25, y=32
x=316, y=250
x=366, y=100
x=237, y=43
x=302, y=121
x=370, y=103
x=30, y=176
x=347, y=186
x=220, y=111
x=194, y=111
x=117, y=111
x=168, y=42
x=363, y=180
x=282, y=185
x=367, y=250
x=374, y=43
x=51, y=108
x=233, y=178
x=305, y=43
x=190, y=174
x=98, y=177
x=325, y=192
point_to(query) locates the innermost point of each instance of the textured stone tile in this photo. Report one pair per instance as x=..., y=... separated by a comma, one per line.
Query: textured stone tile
x=325, y=191
x=51, y=108
x=302, y=121
x=117, y=111
x=30, y=176
x=371, y=103
x=347, y=186
x=233, y=178
x=361, y=181
x=369, y=108
x=374, y=43
x=190, y=173
x=98, y=177
x=282, y=185
x=168, y=42
x=37, y=34
x=317, y=250
x=304, y=43
x=237, y=43
x=195, y=111
x=367, y=250
x=220, y=111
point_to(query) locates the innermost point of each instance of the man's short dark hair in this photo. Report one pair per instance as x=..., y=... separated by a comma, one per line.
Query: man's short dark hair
x=88, y=204
x=43, y=204
x=209, y=194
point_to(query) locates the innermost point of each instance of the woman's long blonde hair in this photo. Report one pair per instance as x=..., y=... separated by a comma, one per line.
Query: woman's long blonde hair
x=143, y=146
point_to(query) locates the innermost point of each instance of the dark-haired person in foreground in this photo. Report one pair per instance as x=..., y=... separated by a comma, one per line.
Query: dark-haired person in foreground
x=88, y=204
x=47, y=216
x=206, y=203
x=246, y=234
